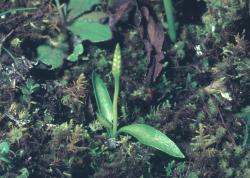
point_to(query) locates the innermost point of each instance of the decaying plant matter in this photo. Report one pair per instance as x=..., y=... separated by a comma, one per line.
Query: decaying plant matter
x=185, y=71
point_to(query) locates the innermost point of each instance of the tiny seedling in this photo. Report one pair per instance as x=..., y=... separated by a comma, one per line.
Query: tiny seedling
x=28, y=89
x=107, y=114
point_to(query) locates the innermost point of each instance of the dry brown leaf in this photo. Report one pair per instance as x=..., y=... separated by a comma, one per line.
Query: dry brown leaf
x=120, y=10
x=154, y=40
x=151, y=31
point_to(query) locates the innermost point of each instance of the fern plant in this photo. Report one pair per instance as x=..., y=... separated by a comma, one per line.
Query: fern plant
x=108, y=115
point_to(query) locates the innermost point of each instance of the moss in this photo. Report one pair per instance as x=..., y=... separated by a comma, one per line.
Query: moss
x=233, y=165
x=75, y=95
x=246, y=173
x=228, y=172
x=193, y=175
x=203, y=85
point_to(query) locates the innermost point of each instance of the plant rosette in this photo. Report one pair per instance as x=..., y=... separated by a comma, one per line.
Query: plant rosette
x=108, y=116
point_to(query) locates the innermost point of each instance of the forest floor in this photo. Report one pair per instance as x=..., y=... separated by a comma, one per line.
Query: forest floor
x=188, y=78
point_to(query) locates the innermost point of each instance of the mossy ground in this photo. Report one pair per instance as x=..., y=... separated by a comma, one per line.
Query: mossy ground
x=198, y=100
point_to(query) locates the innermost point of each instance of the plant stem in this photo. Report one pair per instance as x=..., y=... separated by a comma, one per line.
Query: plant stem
x=168, y=6
x=115, y=103
x=246, y=135
x=10, y=54
x=15, y=10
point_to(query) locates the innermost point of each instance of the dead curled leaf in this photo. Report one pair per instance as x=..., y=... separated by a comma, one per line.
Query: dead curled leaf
x=154, y=39
x=151, y=32
x=120, y=10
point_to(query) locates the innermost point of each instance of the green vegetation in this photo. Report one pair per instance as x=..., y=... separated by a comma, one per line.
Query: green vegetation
x=12, y=11
x=108, y=116
x=245, y=114
x=168, y=6
x=83, y=25
x=4, y=152
x=72, y=106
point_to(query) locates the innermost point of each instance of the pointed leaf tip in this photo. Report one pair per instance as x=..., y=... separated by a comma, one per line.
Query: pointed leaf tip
x=150, y=136
x=103, y=100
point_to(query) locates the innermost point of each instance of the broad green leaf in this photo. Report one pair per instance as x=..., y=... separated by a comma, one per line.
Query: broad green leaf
x=50, y=56
x=104, y=121
x=93, y=17
x=103, y=100
x=150, y=136
x=77, y=7
x=94, y=32
x=78, y=50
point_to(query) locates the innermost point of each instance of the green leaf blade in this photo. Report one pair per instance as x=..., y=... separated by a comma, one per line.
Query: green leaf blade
x=78, y=50
x=168, y=6
x=95, y=16
x=104, y=121
x=50, y=56
x=94, y=32
x=77, y=7
x=103, y=100
x=150, y=136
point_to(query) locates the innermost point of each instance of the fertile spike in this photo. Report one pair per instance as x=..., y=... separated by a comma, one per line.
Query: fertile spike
x=116, y=66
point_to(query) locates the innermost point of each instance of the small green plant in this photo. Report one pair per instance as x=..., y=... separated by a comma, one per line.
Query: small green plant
x=108, y=115
x=24, y=173
x=28, y=89
x=78, y=18
x=4, y=152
